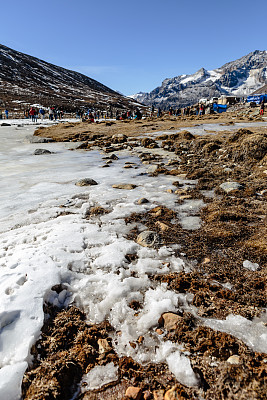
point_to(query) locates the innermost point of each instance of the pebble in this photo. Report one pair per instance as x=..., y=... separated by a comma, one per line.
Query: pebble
x=133, y=392
x=103, y=346
x=170, y=321
x=86, y=182
x=234, y=359
x=148, y=239
x=143, y=200
x=39, y=152
x=230, y=186
x=126, y=186
x=172, y=394
x=163, y=227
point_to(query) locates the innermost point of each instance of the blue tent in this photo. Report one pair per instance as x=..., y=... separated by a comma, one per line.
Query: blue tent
x=219, y=107
x=257, y=98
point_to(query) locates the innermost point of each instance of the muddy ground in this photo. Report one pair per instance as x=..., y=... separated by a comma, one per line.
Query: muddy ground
x=233, y=229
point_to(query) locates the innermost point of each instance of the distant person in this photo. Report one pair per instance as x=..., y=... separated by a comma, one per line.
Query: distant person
x=159, y=112
x=32, y=113
x=138, y=114
x=50, y=114
x=0, y=114
x=262, y=108
x=6, y=113
x=42, y=113
x=170, y=111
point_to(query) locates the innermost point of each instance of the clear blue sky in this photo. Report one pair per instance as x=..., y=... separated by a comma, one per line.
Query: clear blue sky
x=134, y=46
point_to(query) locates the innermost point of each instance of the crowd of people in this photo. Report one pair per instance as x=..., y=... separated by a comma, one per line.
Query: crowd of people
x=92, y=115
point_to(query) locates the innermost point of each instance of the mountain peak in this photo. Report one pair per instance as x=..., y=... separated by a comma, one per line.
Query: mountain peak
x=239, y=78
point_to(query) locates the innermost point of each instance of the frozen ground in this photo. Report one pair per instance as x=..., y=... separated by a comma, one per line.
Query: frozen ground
x=45, y=240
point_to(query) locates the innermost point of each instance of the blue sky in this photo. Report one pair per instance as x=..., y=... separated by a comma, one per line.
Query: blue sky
x=134, y=46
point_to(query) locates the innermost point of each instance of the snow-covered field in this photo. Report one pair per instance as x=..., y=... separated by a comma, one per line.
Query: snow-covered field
x=45, y=240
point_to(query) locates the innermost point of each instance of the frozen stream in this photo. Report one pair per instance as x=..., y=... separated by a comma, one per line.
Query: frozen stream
x=45, y=240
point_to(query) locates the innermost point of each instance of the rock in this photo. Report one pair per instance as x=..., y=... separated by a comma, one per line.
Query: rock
x=163, y=227
x=126, y=186
x=158, y=394
x=143, y=200
x=173, y=394
x=103, y=346
x=119, y=138
x=159, y=331
x=230, y=186
x=151, y=169
x=250, y=265
x=234, y=359
x=148, y=239
x=170, y=321
x=133, y=392
x=86, y=182
x=37, y=139
x=39, y=152
x=149, y=143
x=169, y=191
x=5, y=124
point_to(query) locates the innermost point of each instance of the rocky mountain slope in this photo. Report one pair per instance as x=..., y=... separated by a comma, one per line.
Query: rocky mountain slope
x=239, y=78
x=27, y=80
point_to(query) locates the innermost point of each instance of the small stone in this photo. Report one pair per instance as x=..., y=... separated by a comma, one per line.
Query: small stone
x=163, y=227
x=234, y=359
x=104, y=346
x=126, y=186
x=159, y=331
x=172, y=394
x=185, y=197
x=39, y=152
x=206, y=260
x=86, y=182
x=152, y=169
x=143, y=200
x=133, y=345
x=169, y=191
x=170, y=321
x=133, y=392
x=230, y=186
x=148, y=239
x=158, y=394
x=140, y=339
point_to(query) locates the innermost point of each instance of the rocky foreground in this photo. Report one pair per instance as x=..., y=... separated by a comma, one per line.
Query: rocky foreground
x=228, y=251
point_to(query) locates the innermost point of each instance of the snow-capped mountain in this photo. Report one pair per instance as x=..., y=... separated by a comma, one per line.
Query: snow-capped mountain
x=239, y=78
x=27, y=80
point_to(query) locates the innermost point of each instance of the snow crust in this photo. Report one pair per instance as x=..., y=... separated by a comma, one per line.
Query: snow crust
x=46, y=239
x=100, y=376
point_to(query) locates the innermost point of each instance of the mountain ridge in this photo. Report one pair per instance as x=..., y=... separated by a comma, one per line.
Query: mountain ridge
x=25, y=79
x=240, y=77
